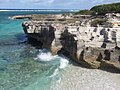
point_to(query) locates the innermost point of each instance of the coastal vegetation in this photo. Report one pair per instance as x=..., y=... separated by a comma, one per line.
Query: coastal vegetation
x=101, y=9
x=98, y=21
x=106, y=8
x=84, y=12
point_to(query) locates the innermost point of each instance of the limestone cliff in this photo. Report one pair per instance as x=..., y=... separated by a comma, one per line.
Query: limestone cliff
x=92, y=47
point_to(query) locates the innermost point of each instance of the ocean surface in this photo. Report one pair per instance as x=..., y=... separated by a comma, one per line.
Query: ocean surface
x=22, y=66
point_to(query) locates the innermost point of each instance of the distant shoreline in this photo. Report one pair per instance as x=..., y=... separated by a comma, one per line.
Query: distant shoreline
x=51, y=10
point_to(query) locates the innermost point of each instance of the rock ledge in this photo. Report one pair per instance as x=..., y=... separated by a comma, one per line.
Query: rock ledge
x=92, y=47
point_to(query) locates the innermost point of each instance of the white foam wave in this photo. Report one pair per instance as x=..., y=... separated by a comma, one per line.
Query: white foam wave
x=63, y=63
x=49, y=10
x=32, y=10
x=55, y=72
x=9, y=17
x=45, y=55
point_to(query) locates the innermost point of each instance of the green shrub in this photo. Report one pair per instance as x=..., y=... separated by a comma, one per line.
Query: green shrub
x=98, y=21
x=106, y=8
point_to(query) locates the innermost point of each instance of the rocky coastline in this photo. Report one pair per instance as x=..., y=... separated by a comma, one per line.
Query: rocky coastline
x=92, y=47
x=22, y=17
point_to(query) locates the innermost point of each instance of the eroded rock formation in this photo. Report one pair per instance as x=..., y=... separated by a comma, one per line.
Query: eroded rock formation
x=22, y=17
x=93, y=47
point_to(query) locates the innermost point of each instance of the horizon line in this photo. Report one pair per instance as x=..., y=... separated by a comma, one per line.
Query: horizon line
x=34, y=9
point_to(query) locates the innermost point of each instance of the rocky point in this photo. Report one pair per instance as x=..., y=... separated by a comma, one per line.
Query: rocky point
x=92, y=47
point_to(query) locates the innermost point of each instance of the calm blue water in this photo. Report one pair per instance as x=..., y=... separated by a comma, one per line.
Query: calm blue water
x=22, y=67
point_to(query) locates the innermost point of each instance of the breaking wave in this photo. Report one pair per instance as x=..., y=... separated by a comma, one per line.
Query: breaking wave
x=46, y=56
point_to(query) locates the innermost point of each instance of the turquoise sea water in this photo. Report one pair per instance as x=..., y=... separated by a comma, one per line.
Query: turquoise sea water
x=22, y=67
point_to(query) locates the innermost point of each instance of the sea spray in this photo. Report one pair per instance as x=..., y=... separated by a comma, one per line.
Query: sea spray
x=63, y=62
x=46, y=56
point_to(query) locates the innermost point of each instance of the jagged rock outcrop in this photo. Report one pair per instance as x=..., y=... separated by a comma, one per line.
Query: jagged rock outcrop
x=21, y=17
x=92, y=47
